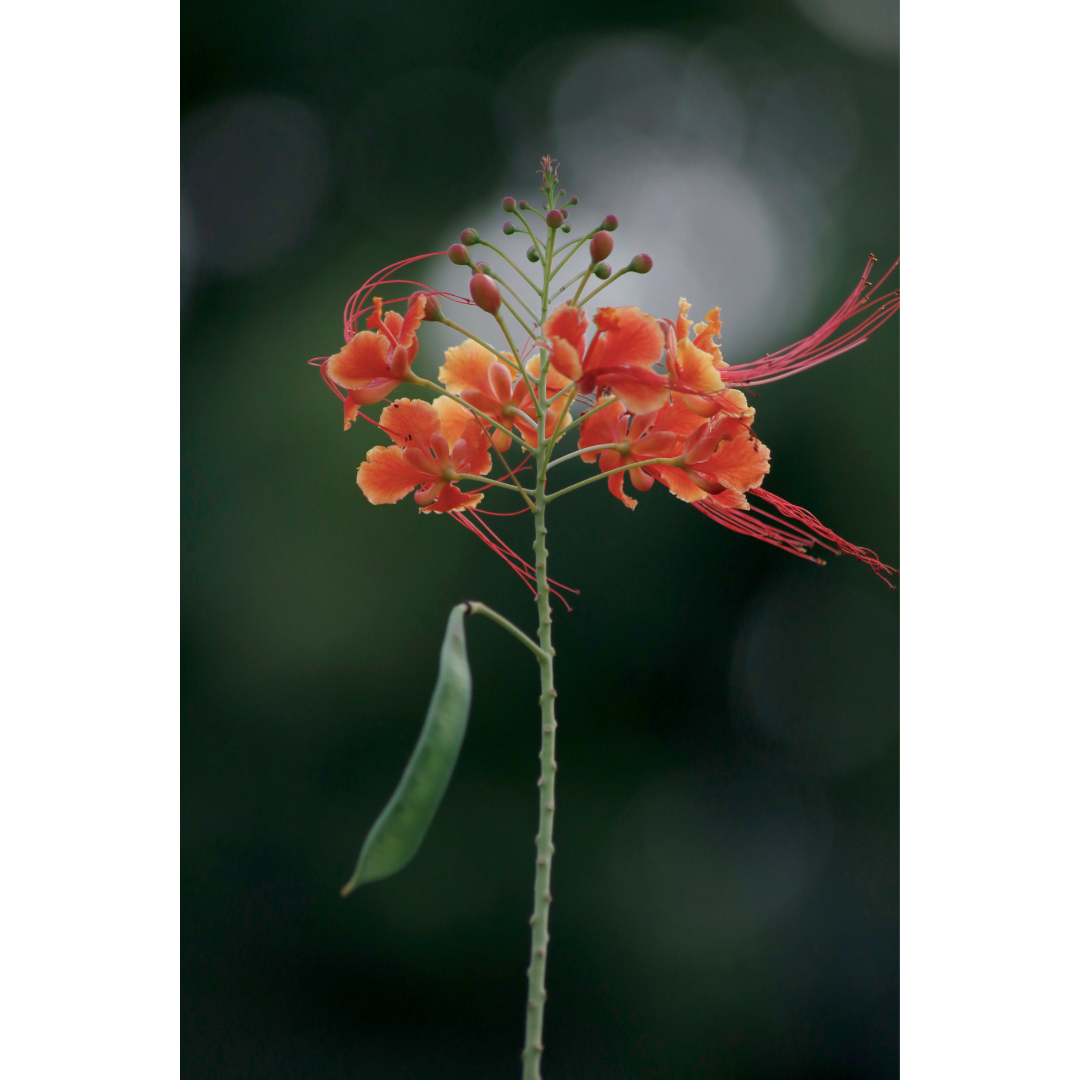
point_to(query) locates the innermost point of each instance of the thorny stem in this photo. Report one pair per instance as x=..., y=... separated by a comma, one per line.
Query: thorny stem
x=545, y=848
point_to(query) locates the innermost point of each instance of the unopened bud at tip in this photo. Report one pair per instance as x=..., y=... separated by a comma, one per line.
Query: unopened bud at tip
x=508, y=228
x=566, y=227
x=485, y=293
x=531, y=254
x=603, y=271
x=641, y=264
x=509, y=203
x=554, y=218
x=600, y=246
x=470, y=237
x=483, y=268
x=573, y=200
x=523, y=205
x=611, y=223
x=458, y=255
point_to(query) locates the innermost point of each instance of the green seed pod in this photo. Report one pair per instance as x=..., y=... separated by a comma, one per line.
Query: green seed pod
x=397, y=833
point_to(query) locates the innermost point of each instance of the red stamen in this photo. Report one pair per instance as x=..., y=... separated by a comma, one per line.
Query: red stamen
x=804, y=517
x=817, y=347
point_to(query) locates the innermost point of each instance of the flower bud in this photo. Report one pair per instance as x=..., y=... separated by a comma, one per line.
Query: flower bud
x=483, y=268
x=641, y=264
x=509, y=204
x=603, y=271
x=470, y=237
x=611, y=223
x=531, y=254
x=561, y=193
x=399, y=362
x=566, y=227
x=458, y=255
x=485, y=293
x=573, y=200
x=523, y=205
x=508, y=228
x=554, y=218
x=600, y=246
x=432, y=307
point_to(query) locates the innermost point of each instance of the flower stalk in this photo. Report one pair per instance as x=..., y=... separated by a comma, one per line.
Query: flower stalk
x=687, y=426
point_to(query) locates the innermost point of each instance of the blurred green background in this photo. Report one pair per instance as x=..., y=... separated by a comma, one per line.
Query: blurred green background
x=726, y=893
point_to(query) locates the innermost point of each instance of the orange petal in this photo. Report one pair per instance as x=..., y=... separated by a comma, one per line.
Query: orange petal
x=704, y=334
x=600, y=428
x=453, y=418
x=682, y=323
x=729, y=499
x=466, y=368
x=410, y=422
x=477, y=459
x=385, y=477
x=375, y=390
x=630, y=337
x=677, y=417
x=615, y=486
x=696, y=368
x=362, y=359
x=569, y=323
x=452, y=498
x=556, y=380
x=640, y=389
x=565, y=358
x=740, y=463
x=681, y=485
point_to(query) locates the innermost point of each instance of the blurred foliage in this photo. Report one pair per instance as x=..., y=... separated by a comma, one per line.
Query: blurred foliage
x=726, y=880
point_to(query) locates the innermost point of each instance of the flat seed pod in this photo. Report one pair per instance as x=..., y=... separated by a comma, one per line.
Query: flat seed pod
x=399, y=830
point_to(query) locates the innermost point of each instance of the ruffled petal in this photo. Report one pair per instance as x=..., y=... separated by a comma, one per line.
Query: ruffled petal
x=453, y=418
x=565, y=358
x=410, y=422
x=569, y=323
x=375, y=390
x=740, y=463
x=600, y=428
x=360, y=361
x=615, y=486
x=630, y=336
x=452, y=498
x=466, y=368
x=679, y=483
x=385, y=477
x=677, y=417
x=639, y=388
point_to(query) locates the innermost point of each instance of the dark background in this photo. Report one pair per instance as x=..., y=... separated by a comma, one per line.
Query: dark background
x=726, y=882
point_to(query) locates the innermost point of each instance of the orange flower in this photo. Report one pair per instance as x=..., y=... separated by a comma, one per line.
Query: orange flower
x=486, y=383
x=376, y=360
x=434, y=445
x=637, y=439
x=620, y=356
x=695, y=364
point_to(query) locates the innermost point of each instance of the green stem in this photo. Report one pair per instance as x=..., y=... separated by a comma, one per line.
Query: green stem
x=614, y=472
x=610, y=281
x=476, y=608
x=545, y=849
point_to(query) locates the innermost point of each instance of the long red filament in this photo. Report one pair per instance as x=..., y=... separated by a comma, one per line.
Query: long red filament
x=821, y=345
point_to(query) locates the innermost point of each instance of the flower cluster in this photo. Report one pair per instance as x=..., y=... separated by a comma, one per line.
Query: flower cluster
x=651, y=396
